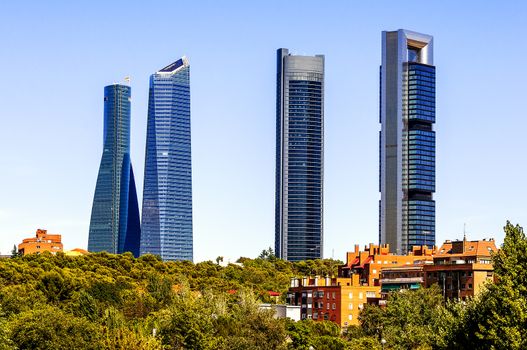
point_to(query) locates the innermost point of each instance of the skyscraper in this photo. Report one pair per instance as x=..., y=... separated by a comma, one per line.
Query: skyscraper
x=407, y=141
x=114, y=225
x=167, y=195
x=299, y=156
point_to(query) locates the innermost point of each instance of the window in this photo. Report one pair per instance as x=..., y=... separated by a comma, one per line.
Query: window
x=469, y=286
x=327, y=295
x=463, y=286
x=350, y=317
x=327, y=306
x=350, y=295
x=360, y=295
x=334, y=306
x=333, y=295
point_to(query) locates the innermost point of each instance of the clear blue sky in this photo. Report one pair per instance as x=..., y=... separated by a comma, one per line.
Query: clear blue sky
x=56, y=57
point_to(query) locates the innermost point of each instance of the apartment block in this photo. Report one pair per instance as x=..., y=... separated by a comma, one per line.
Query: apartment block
x=461, y=267
x=42, y=242
x=339, y=300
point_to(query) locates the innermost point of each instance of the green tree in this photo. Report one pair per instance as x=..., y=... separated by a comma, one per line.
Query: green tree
x=55, y=286
x=5, y=341
x=407, y=322
x=497, y=318
x=187, y=323
x=160, y=288
x=319, y=335
x=51, y=328
x=245, y=326
x=14, y=252
x=267, y=254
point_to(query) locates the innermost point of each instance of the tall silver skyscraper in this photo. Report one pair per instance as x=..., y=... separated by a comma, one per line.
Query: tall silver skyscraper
x=167, y=196
x=299, y=156
x=407, y=141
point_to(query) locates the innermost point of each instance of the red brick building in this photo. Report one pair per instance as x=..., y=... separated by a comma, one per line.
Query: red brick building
x=334, y=299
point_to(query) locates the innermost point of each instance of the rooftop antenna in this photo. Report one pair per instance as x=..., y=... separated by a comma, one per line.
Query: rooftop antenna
x=464, y=236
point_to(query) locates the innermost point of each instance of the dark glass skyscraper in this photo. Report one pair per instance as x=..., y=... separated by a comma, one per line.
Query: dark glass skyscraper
x=114, y=225
x=407, y=141
x=167, y=195
x=299, y=156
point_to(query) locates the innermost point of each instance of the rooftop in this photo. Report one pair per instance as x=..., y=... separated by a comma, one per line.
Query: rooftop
x=482, y=247
x=175, y=66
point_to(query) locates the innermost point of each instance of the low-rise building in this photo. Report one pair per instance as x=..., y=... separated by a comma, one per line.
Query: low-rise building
x=335, y=299
x=461, y=267
x=369, y=262
x=42, y=242
x=283, y=311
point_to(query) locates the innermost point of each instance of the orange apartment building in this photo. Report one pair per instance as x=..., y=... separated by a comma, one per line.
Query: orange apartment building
x=461, y=267
x=369, y=262
x=334, y=299
x=342, y=298
x=43, y=242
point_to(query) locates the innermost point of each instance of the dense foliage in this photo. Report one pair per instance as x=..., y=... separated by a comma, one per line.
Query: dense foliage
x=104, y=301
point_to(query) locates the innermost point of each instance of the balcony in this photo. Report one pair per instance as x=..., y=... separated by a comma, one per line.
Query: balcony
x=402, y=280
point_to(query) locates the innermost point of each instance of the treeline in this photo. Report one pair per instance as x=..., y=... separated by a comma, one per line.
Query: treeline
x=104, y=301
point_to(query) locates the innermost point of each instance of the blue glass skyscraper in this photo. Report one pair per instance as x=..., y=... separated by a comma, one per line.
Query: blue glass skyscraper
x=114, y=225
x=407, y=140
x=299, y=156
x=167, y=195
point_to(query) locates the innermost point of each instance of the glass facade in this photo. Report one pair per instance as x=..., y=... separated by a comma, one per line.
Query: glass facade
x=167, y=196
x=407, y=141
x=114, y=224
x=299, y=178
x=419, y=155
